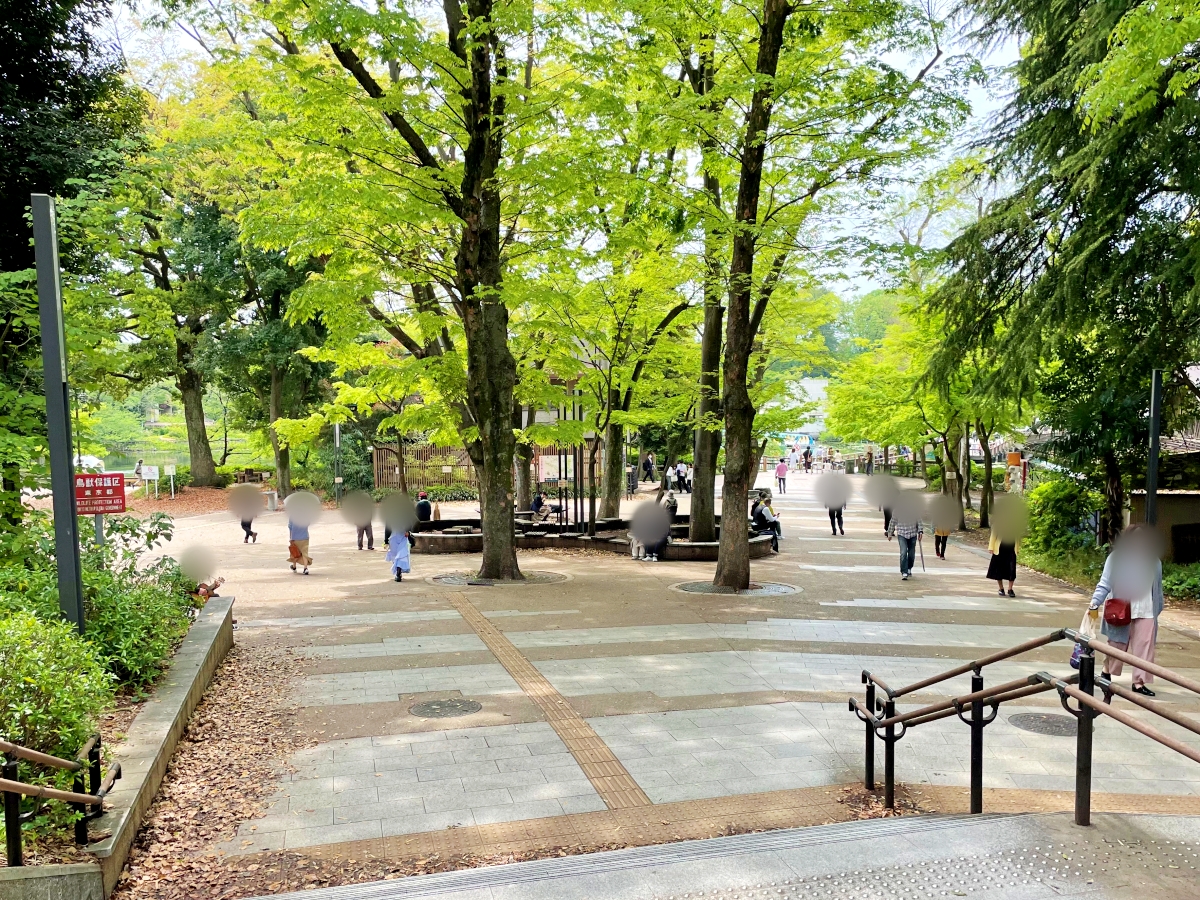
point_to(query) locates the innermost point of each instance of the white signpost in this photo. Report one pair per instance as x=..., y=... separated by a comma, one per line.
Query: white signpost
x=149, y=474
x=169, y=472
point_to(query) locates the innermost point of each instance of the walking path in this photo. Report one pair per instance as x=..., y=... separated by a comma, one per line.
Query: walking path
x=613, y=706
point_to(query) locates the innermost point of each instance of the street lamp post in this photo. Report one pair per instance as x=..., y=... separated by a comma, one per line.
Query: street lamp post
x=58, y=409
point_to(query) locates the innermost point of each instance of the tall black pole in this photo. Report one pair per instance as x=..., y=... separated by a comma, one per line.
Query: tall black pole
x=1152, y=463
x=58, y=409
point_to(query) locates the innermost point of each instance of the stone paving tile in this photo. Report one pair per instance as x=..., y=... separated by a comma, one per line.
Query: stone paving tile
x=810, y=630
x=405, y=646
x=895, y=570
x=687, y=674
x=807, y=745
x=388, y=618
x=343, y=800
x=991, y=603
x=386, y=686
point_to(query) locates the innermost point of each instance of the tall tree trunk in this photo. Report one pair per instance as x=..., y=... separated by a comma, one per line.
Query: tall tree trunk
x=614, y=471
x=988, y=492
x=924, y=467
x=191, y=390
x=966, y=463
x=283, y=456
x=524, y=486
x=593, y=449
x=733, y=562
x=703, y=526
x=1114, y=498
x=887, y=459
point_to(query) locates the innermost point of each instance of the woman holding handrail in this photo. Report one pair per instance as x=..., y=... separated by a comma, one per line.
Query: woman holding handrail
x=1131, y=590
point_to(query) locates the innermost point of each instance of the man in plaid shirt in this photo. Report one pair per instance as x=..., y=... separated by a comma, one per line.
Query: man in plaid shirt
x=906, y=526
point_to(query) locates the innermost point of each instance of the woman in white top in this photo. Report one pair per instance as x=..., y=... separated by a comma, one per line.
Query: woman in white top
x=1133, y=572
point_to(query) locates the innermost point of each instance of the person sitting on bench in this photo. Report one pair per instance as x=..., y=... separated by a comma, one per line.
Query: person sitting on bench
x=765, y=522
x=541, y=509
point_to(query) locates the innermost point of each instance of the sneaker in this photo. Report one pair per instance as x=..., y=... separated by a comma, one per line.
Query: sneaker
x=1000, y=592
x=1143, y=690
x=305, y=570
x=293, y=567
x=399, y=577
x=1011, y=592
x=843, y=534
x=245, y=540
x=254, y=536
x=904, y=577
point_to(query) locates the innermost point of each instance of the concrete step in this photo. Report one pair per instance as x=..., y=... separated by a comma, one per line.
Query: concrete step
x=1025, y=857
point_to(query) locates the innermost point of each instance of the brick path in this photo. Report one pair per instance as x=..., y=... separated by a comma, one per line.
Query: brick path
x=615, y=708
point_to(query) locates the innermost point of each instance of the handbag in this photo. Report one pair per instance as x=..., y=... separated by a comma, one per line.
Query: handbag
x=1087, y=629
x=1118, y=613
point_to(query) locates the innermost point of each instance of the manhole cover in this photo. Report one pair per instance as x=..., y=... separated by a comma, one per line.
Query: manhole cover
x=1045, y=723
x=445, y=709
x=460, y=579
x=765, y=589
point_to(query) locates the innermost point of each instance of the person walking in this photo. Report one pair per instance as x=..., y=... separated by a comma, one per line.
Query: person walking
x=398, y=555
x=807, y=457
x=941, y=537
x=794, y=458
x=298, y=545
x=251, y=534
x=835, y=519
x=1003, y=566
x=681, y=475
x=1130, y=589
x=690, y=474
x=648, y=467
x=906, y=527
x=368, y=532
x=781, y=471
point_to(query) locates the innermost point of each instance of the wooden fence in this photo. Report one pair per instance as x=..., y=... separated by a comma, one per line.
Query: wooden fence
x=426, y=465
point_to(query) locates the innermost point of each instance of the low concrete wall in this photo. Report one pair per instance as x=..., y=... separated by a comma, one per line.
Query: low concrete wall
x=147, y=749
x=436, y=543
x=75, y=882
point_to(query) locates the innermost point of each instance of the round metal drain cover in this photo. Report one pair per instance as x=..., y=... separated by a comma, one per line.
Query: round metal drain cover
x=1045, y=723
x=765, y=589
x=445, y=709
x=464, y=578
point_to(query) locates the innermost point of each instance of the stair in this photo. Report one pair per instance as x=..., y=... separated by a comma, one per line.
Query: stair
x=991, y=856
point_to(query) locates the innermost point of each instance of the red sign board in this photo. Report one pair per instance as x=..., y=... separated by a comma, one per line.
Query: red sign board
x=99, y=494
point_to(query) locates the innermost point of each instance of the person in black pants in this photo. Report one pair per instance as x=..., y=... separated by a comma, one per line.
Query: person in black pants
x=835, y=519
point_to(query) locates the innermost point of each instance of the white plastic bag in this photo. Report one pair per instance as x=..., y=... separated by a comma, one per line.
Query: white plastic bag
x=1088, y=628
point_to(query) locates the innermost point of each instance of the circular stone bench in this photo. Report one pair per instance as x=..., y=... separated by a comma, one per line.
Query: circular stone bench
x=436, y=542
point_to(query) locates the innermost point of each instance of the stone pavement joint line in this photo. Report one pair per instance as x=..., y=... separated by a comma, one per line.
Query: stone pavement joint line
x=608, y=776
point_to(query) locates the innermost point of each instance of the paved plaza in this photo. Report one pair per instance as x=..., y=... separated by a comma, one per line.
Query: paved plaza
x=615, y=700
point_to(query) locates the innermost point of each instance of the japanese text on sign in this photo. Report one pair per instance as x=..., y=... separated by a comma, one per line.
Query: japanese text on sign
x=99, y=494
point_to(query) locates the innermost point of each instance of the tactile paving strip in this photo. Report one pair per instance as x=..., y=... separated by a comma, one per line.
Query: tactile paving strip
x=1059, y=868
x=608, y=776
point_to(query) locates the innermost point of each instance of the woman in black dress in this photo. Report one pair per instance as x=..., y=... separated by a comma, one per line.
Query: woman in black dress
x=1003, y=566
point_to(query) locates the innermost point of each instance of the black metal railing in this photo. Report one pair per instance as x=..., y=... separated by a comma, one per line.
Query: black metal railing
x=87, y=805
x=881, y=720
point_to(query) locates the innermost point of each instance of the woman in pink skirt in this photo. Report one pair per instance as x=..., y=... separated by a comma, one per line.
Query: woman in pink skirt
x=1133, y=573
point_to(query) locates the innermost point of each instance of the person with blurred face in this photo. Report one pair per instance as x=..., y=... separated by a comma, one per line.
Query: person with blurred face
x=1003, y=566
x=941, y=537
x=369, y=533
x=1132, y=578
x=765, y=521
x=424, y=507
x=905, y=525
x=807, y=456
x=298, y=545
x=248, y=527
x=835, y=519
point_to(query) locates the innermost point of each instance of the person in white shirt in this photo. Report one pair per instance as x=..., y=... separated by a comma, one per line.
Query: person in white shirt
x=681, y=476
x=1132, y=576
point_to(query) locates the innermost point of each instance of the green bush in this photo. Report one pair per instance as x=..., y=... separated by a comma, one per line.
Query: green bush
x=51, y=697
x=443, y=493
x=1181, y=582
x=134, y=616
x=54, y=688
x=1058, y=513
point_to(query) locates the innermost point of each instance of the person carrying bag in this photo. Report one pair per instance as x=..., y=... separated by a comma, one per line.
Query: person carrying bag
x=1130, y=590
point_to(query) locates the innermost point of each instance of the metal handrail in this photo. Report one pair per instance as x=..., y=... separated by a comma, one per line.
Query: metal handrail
x=1100, y=706
x=42, y=759
x=1144, y=664
x=12, y=790
x=978, y=664
x=1105, y=684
